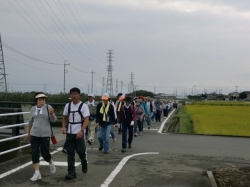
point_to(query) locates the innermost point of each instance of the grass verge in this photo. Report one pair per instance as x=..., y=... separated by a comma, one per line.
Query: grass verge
x=186, y=125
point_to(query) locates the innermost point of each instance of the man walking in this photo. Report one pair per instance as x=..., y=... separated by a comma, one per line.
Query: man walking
x=105, y=117
x=92, y=124
x=75, y=121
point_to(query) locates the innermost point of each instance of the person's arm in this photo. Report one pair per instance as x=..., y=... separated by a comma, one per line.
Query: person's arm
x=64, y=123
x=28, y=134
x=53, y=117
x=134, y=114
x=84, y=126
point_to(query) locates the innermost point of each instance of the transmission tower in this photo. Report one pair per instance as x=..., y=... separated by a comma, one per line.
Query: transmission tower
x=3, y=84
x=109, y=85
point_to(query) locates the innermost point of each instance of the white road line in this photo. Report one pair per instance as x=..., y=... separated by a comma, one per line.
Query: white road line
x=44, y=163
x=120, y=166
x=150, y=129
x=24, y=165
x=163, y=123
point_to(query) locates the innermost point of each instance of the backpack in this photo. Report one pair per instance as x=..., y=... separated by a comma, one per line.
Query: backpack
x=79, y=111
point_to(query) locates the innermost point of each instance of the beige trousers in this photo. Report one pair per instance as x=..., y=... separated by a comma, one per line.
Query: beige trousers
x=91, y=128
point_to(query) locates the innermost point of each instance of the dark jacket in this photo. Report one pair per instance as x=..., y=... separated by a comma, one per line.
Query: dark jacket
x=127, y=115
x=110, y=114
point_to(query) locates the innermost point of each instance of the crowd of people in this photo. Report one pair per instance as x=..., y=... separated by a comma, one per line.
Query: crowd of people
x=83, y=120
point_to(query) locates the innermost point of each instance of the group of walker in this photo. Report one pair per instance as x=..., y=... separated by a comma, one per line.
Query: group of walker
x=126, y=113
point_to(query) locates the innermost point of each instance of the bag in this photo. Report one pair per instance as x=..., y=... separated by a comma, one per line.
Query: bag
x=53, y=138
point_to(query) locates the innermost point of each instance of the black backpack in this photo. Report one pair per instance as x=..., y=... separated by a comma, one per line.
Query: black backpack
x=79, y=111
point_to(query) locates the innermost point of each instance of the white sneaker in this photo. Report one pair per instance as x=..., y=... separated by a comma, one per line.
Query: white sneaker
x=36, y=176
x=114, y=139
x=52, y=167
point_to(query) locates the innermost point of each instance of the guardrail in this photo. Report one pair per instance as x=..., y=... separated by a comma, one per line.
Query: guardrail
x=16, y=135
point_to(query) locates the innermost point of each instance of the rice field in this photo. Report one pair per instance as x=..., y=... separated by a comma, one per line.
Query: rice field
x=220, y=120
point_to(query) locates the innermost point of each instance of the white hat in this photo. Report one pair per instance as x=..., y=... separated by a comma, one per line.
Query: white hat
x=91, y=95
x=40, y=95
x=105, y=96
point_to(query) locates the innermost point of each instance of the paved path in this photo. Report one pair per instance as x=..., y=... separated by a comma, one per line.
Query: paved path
x=182, y=162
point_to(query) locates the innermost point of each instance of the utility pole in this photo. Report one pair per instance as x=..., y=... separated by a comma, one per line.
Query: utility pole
x=3, y=84
x=116, y=87
x=103, y=84
x=109, y=85
x=64, y=72
x=44, y=88
x=135, y=89
x=92, y=81
x=132, y=82
x=88, y=88
x=121, y=86
x=236, y=88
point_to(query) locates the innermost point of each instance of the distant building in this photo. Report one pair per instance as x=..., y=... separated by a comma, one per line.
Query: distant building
x=212, y=95
x=166, y=96
x=233, y=95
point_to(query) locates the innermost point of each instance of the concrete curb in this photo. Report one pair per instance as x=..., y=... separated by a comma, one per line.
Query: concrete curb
x=211, y=178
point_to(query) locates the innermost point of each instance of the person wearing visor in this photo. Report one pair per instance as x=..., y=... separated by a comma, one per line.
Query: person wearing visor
x=39, y=133
x=127, y=118
x=105, y=117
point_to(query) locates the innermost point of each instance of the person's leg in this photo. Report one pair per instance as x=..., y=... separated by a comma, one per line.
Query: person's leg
x=124, y=135
x=100, y=137
x=70, y=143
x=35, y=145
x=140, y=127
x=130, y=135
x=91, y=127
x=81, y=151
x=149, y=121
x=106, y=134
x=135, y=128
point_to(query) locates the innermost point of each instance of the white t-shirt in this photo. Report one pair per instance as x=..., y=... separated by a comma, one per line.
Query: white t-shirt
x=75, y=128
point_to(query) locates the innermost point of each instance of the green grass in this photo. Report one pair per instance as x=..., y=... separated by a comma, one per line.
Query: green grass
x=185, y=121
x=220, y=120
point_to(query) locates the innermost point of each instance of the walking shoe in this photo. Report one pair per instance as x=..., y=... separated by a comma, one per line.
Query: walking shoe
x=36, y=176
x=90, y=143
x=135, y=135
x=105, y=152
x=148, y=127
x=52, y=167
x=123, y=150
x=110, y=136
x=100, y=148
x=129, y=146
x=70, y=176
x=65, y=151
x=140, y=133
x=84, y=167
x=114, y=139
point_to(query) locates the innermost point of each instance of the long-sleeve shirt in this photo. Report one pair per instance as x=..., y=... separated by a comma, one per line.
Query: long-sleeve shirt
x=139, y=111
x=40, y=124
x=127, y=114
x=110, y=114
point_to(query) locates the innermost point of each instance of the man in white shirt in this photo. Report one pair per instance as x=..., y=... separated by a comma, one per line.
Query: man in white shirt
x=75, y=120
x=92, y=124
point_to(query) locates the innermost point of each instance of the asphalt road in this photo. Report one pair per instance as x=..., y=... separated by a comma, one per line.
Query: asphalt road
x=173, y=160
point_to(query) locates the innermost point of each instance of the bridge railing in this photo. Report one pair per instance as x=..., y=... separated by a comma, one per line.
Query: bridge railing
x=14, y=135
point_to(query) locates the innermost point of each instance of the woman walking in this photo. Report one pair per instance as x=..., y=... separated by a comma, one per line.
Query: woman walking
x=139, y=111
x=39, y=133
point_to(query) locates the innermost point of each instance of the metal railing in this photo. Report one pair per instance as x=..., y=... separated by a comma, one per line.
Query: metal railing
x=13, y=137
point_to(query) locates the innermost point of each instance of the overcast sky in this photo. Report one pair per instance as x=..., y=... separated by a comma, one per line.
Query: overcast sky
x=201, y=45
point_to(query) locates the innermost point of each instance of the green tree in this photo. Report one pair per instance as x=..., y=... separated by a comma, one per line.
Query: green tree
x=144, y=93
x=243, y=95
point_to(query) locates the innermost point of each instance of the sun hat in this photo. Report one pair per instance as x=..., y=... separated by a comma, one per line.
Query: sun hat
x=122, y=97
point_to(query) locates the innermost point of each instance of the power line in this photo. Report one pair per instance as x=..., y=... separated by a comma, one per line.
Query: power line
x=28, y=56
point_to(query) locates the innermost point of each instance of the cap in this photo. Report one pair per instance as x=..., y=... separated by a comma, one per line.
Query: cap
x=138, y=100
x=40, y=96
x=105, y=96
x=91, y=95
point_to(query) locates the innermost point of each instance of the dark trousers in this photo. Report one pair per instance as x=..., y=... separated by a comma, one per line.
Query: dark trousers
x=165, y=113
x=158, y=115
x=42, y=143
x=71, y=145
x=127, y=128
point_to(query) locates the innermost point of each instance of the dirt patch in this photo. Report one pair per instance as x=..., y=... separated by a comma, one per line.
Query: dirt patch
x=232, y=177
